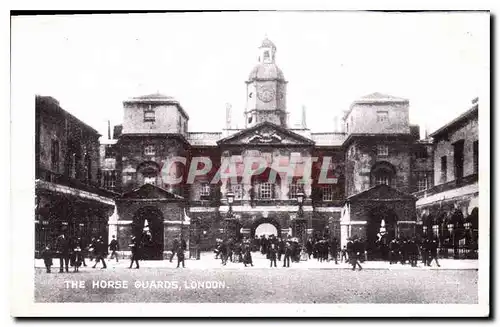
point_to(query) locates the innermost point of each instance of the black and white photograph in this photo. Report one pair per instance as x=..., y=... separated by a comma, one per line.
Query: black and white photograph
x=268, y=163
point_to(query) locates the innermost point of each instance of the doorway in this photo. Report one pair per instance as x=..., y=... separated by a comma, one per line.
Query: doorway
x=148, y=228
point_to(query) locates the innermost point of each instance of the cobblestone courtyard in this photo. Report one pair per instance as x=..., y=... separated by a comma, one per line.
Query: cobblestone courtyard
x=306, y=282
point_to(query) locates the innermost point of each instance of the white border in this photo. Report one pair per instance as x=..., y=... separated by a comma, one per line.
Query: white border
x=22, y=191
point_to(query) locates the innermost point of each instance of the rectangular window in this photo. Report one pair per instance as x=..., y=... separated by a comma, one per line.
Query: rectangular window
x=54, y=155
x=205, y=191
x=149, y=114
x=382, y=150
x=149, y=150
x=475, y=154
x=382, y=116
x=422, y=181
x=444, y=168
x=458, y=159
x=294, y=188
x=109, y=152
x=421, y=153
x=265, y=191
x=237, y=190
x=328, y=193
x=109, y=179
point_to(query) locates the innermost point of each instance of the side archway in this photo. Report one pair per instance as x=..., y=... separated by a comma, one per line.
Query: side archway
x=148, y=228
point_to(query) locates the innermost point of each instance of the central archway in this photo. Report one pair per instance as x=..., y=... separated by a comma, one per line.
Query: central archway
x=148, y=228
x=266, y=226
x=266, y=229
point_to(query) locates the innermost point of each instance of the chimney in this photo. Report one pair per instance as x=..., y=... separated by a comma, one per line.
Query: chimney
x=109, y=130
x=228, y=116
x=304, y=124
x=336, y=124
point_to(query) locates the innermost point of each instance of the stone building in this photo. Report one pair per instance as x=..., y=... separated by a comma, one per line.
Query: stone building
x=365, y=173
x=68, y=196
x=449, y=209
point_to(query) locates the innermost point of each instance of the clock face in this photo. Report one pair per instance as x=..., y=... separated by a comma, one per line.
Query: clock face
x=266, y=94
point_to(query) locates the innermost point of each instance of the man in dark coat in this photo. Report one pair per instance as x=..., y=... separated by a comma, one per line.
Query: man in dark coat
x=247, y=256
x=357, y=248
x=271, y=253
x=393, y=251
x=175, y=247
x=47, y=257
x=334, y=249
x=433, y=249
x=180, y=257
x=63, y=248
x=309, y=248
x=135, y=249
x=113, y=247
x=101, y=249
x=281, y=248
x=424, y=248
x=288, y=255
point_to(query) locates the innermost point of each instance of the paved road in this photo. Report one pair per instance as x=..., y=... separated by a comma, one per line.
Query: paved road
x=260, y=285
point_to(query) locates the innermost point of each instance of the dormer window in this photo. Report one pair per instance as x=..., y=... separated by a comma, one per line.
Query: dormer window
x=149, y=114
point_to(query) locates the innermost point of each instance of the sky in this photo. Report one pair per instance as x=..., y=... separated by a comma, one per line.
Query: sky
x=92, y=63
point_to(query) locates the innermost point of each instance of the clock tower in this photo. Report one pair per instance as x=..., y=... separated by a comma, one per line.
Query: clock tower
x=266, y=90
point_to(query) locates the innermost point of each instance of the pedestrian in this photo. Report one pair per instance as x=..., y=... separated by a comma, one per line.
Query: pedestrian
x=77, y=258
x=91, y=249
x=334, y=249
x=223, y=252
x=356, y=248
x=288, y=254
x=63, y=248
x=180, y=257
x=175, y=247
x=413, y=252
x=113, y=247
x=281, y=248
x=135, y=249
x=47, y=257
x=393, y=251
x=309, y=248
x=272, y=254
x=100, y=250
x=81, y=244
x=343, y=252
x=433, y=249
x=247, y=256
x=424, y=249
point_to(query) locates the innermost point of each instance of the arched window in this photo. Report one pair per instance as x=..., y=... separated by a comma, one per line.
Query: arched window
x=382, y=173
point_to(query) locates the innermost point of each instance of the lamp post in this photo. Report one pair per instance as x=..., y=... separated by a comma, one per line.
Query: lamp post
x=450, y=229
x=230, y=199
x=300, y=214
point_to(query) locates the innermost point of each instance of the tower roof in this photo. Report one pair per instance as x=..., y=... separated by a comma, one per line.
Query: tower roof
x=266, y=43
x=266, y=71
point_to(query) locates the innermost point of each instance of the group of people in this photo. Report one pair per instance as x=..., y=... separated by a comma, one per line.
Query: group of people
x=410, y=250
x=72, y=251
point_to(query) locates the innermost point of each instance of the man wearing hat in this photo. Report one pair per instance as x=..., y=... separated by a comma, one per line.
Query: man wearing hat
x=134, y=247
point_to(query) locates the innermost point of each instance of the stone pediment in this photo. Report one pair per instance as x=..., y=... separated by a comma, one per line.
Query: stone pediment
x=266, y=134
x=381, y=192
x=150, y=192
